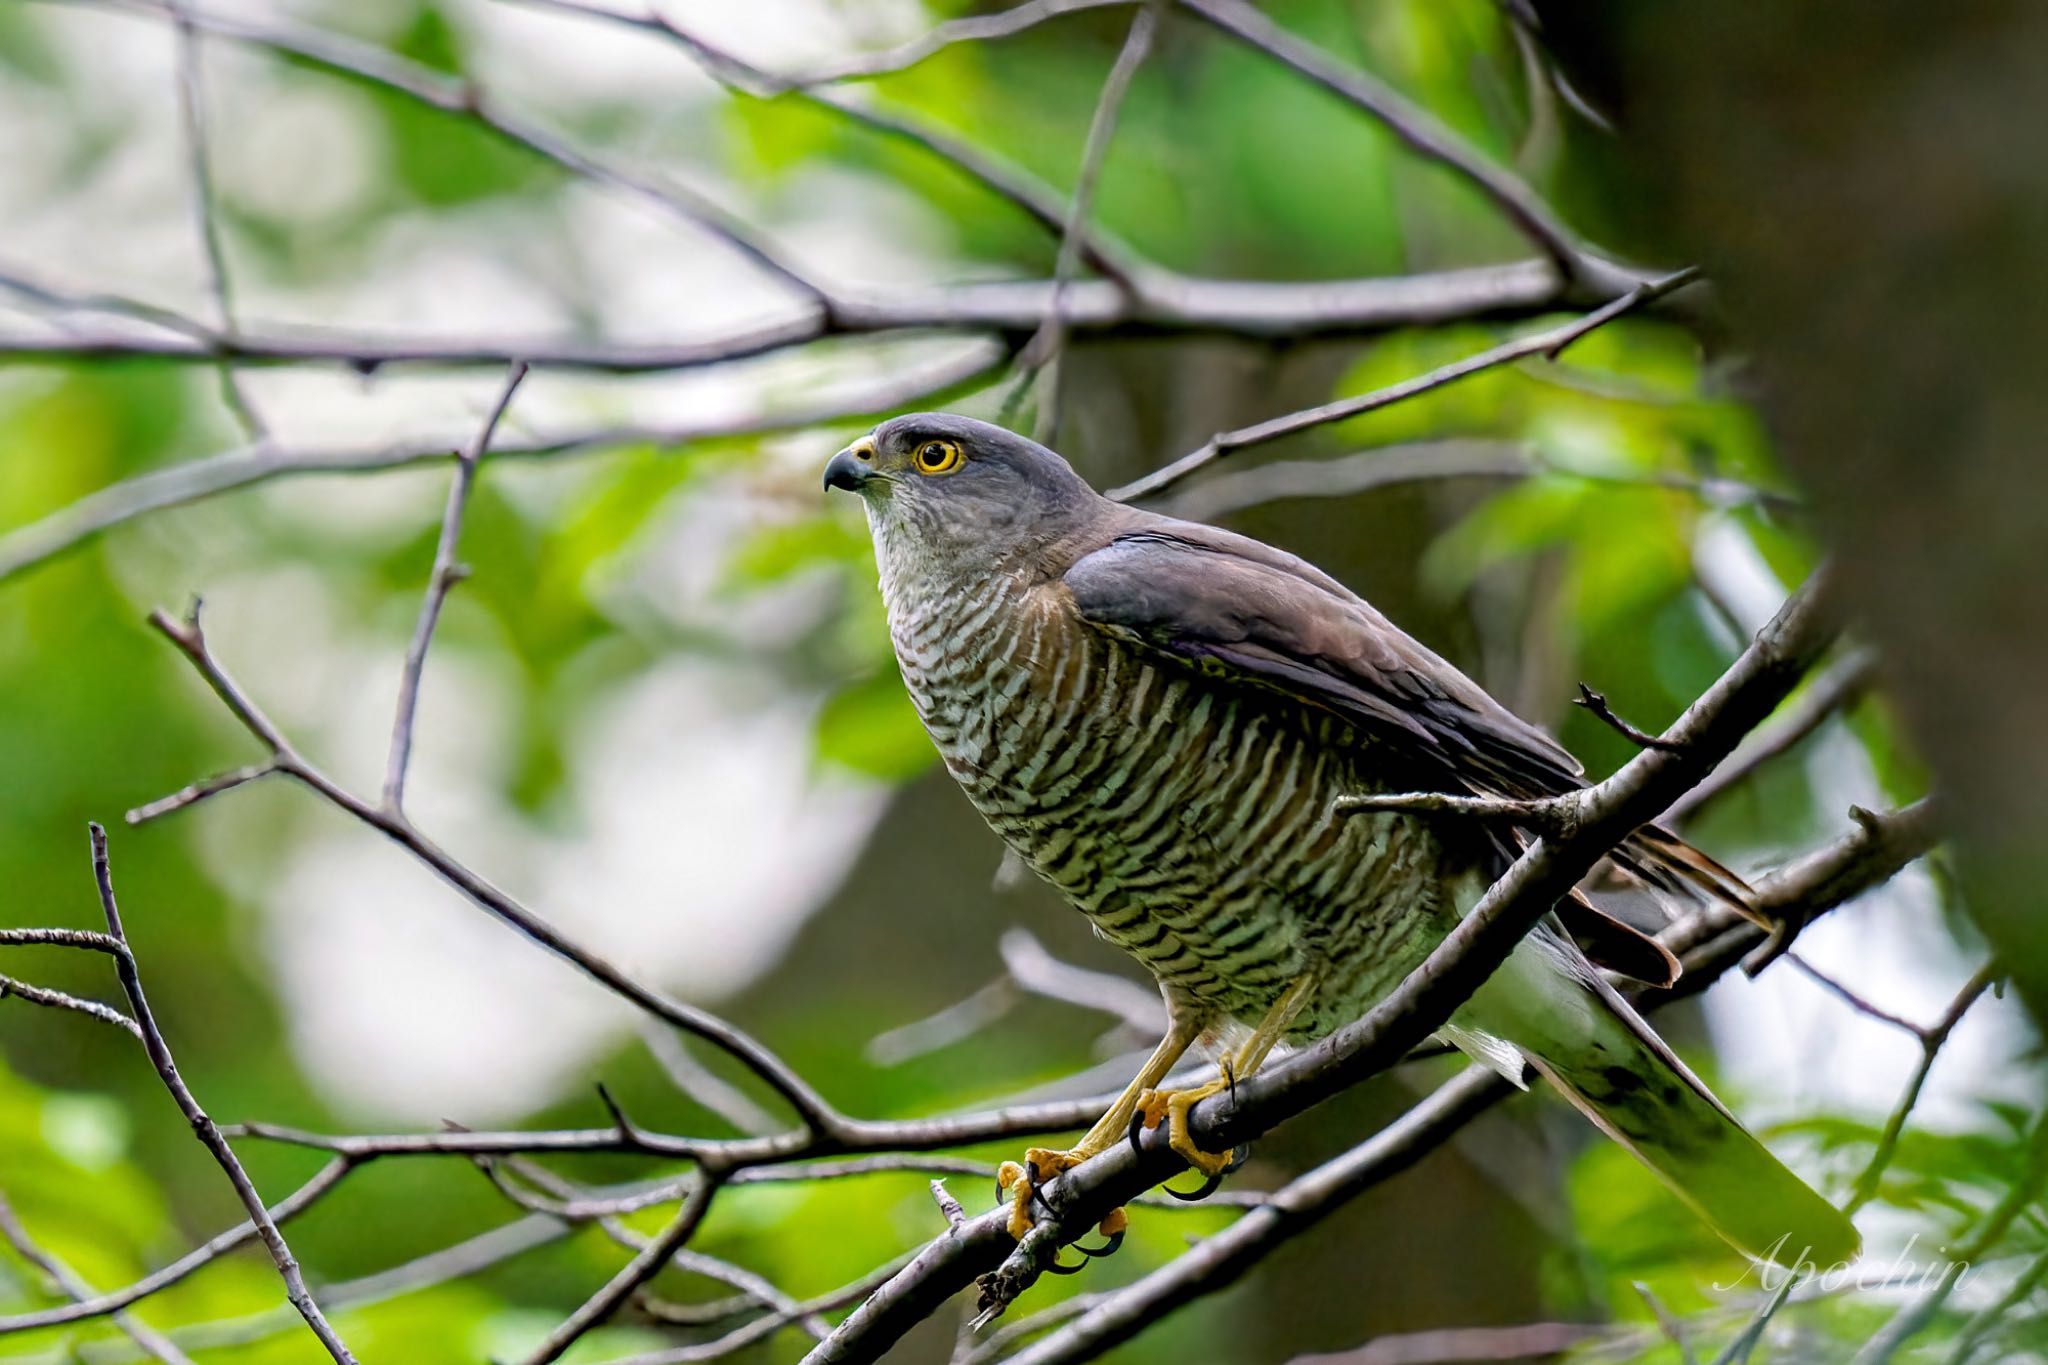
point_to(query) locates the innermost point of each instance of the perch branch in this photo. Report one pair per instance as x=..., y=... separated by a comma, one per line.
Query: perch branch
x=1549, y=342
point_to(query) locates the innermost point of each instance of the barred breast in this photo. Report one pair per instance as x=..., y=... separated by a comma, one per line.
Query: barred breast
x=1191, y=821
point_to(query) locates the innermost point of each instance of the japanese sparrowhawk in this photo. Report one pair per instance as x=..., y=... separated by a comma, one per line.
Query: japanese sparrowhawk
x=1160, y=718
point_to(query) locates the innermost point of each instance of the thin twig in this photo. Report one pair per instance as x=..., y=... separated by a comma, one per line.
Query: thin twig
x=1932, y=1040
x=68, y=527
x=1596, y=702
x=1042, y=352
x=1914, y=1316
x=56, y=999
x=446, y=573
x=637, y=1272
x=199, y=163
x=1853, y=1000
x=1550, y=813
x=461, y=97
x=1035, y=200
x=240, y=1235
x=1550, y=342
x=194, y=793
x=773, y=1071
x=147, y=1338
x=770, y=1323
x=973, y=28
x=209, y=1135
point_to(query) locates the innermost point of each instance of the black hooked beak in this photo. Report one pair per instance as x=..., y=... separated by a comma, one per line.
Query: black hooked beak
x=848, y=470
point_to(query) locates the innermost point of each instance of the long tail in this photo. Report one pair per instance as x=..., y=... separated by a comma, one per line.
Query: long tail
x=1588, y=1042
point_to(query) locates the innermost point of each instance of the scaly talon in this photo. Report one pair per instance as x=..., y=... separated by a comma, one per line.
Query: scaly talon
x=1173, y=1106
x=1020, y=1184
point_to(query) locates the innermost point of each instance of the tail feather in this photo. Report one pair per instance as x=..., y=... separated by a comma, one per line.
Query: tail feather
x=1586, y=1040
x=1671, y=869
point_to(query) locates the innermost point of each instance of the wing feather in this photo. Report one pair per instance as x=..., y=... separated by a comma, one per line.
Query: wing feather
x=1199, y=593
x=1231, y=605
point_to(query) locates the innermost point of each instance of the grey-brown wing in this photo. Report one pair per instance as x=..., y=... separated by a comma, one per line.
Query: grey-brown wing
x=1214, y=599
x=1209, y=597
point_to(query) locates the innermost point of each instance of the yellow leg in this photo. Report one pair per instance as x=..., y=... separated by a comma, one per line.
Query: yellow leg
x=1042, y=1164
x=1173, y=1105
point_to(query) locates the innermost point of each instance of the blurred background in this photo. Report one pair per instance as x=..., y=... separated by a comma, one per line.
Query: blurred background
x=662, y=710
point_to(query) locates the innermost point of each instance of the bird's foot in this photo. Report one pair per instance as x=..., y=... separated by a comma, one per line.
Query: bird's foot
x=1020, y=1185
x=1172, y=1107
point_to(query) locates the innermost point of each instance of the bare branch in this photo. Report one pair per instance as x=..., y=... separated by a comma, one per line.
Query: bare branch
x=209, y=1135
x=637, y=1272
x=974, y=28
x=1298, y=1205
x=1836, y=688
x=770, y=1323
x=240, y=1235
x=31, y=545
x=1043, y=350
x=423, y=85
x=1233, y=490
x=56, y=999
x=1596, y=702
x=1549, y=342
x=1932, y=1040
x=1552, y=813
x=1159, y=303
x=192, y=117
x=1852, y=999
x=194, y=793
x=447, y=571
x=151, y=1341
x=191, y=641
x=1036, y=201
x=1887, y=842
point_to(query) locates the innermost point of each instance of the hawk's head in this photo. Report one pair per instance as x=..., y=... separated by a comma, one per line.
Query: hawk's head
x=958, y=491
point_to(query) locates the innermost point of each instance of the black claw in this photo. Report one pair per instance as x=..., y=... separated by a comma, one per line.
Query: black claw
x=1138, y=1134
x=1108, y=1248
x=1208, y=1188
x=1238, y=1156
x=1002, y=1195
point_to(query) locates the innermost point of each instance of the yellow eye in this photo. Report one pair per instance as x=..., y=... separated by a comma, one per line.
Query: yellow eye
x=938, y=457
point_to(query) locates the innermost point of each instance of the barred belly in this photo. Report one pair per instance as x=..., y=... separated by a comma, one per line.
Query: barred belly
x=1190, y=820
